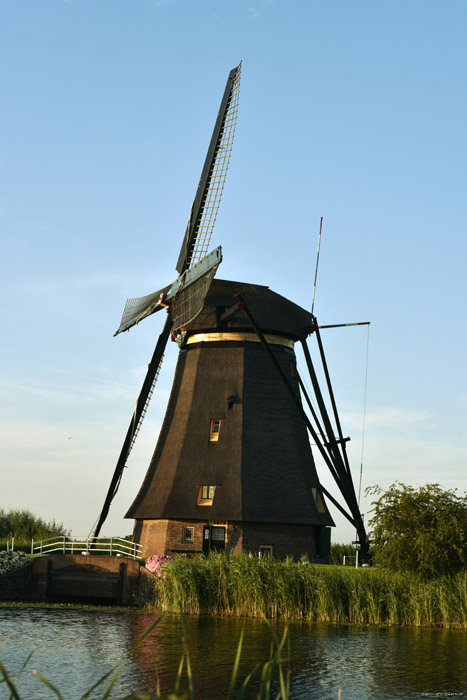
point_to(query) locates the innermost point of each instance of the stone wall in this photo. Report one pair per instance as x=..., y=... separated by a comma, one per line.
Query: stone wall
x=16, y=584
x=81, y=578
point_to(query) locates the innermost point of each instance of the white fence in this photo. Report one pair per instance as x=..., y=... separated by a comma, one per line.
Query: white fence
x=116, y=546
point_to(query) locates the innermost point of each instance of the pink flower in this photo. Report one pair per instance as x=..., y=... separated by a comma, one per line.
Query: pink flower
x=156, y=563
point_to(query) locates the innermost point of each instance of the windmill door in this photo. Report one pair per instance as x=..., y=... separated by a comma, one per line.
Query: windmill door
x=206, y=538
x=213, y=538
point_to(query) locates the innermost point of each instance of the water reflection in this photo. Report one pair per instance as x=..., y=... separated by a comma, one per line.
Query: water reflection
x=73, y=648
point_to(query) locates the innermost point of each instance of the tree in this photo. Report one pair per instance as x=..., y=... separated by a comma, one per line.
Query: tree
x=421, y=530
x=23, y=524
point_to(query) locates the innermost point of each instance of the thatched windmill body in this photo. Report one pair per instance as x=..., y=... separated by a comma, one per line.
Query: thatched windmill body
x=233, y=467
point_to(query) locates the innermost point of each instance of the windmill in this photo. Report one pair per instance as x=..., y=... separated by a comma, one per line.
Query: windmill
x=233, y=467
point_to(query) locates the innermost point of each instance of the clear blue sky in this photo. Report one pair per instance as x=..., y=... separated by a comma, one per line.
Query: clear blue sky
x=351, y=111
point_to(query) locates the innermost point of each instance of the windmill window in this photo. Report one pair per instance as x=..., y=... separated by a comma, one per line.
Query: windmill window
x=318, y=501
x=265, y=550
x=206, y=495
x=215, y=430
x=218, y=534
x=188, y=534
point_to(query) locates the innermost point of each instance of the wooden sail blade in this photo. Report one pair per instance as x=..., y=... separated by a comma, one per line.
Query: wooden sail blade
x=206, y=203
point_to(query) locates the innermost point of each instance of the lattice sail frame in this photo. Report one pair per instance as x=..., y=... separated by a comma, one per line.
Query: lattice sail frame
x=189, y=302
x=138, y=308
x=215, y=181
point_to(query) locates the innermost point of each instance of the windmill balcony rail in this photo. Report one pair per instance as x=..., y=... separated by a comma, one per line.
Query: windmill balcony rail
x=112, y=546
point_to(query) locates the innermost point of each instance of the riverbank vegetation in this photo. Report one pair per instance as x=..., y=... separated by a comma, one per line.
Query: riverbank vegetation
x=23, y=526
x=241, y=585
x=339, y=550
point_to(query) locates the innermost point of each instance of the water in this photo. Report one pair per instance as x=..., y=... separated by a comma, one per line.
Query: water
x=72, y=648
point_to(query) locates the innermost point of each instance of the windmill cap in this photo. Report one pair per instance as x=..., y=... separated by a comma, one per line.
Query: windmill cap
x=272, y=312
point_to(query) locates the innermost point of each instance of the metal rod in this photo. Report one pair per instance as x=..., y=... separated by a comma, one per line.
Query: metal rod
x=342, y=325
x=317, y=262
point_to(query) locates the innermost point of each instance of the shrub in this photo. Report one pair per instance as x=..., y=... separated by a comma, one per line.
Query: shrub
x=22, y=524
x=422, y=530
x=12, y=560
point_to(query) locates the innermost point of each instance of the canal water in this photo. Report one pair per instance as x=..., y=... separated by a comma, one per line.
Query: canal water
x=73, y=648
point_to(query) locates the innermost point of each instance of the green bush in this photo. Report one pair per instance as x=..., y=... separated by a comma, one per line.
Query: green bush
x=422, y=531
x=24, y=525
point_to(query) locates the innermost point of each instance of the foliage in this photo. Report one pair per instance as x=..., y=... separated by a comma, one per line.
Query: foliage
x=12, y=560
x=156, y=563
x=247, y=586
x=22, y=524
x=338, y=550
x=422, y=530
x=271, y=668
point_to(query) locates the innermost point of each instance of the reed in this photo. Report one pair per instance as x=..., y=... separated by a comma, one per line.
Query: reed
x=241, y=585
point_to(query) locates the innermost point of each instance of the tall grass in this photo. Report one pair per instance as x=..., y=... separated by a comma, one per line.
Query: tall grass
x=250, y=586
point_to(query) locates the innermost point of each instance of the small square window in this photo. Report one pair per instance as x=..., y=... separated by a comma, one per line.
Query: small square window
x=188, y=534
x=215, y=430
x=265, y=550
x=208, y=492
x=206, y=495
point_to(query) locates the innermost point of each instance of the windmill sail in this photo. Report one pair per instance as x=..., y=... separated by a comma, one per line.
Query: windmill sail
x=196, y=269
x=208, y=196
x=140, y=307
x=202, y=217
x=196, y=278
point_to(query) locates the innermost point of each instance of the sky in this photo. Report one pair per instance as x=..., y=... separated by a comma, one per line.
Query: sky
x=354, y=112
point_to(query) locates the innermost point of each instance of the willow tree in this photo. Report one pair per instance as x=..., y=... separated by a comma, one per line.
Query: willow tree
x=421, y=530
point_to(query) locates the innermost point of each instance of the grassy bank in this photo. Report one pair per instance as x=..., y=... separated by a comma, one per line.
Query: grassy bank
x=249, y=586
